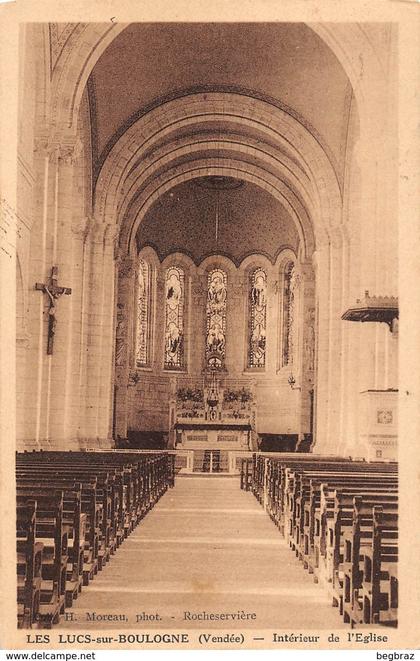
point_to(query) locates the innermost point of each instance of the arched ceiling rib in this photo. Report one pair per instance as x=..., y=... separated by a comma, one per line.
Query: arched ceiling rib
x=286, y=64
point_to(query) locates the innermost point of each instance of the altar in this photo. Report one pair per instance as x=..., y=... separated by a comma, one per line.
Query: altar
x=217, y=437
x=213, y=415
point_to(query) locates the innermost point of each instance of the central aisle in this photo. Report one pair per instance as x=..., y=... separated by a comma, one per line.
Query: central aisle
x=206, y=546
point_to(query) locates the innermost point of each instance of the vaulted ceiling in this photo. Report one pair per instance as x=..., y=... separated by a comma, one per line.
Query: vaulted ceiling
x=217, y=215
x=286, y=64
x=283, y=68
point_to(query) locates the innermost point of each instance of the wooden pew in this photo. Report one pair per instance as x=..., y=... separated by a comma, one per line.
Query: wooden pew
x=49, y=531
x=321, y=508
x=89, y=518
x=74, y=524
x=103, y=497
x=370, y=593
x=297, y=492
x=310, y=499
x=29, y=563
x=338, y=525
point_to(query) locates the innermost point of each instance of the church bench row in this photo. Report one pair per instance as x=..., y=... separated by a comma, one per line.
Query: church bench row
x=111, y=509
x=84, y=529
x=377, y=597
x=303, y=520
x=94, y=505
x=29, y=563
x=320, y=508
x=50, y=534
x=313, y=503
x=370, y=557
x=265, y=474
x=126, y=483
x=302, y=493
x=269, y=473
x=118, y=512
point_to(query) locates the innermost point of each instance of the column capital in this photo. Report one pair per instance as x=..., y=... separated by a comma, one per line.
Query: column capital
x=125, y=266
x=65, y=149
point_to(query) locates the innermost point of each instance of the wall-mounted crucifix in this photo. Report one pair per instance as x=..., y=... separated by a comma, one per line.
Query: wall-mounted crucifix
x=53, y=291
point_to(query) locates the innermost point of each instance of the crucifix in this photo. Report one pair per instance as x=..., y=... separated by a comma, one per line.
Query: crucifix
x=53, y=291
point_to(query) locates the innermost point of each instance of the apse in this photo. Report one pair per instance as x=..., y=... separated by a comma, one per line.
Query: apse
x=218, y=215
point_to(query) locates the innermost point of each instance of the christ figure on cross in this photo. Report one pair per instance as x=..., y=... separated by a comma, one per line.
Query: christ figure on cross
x=53, y=291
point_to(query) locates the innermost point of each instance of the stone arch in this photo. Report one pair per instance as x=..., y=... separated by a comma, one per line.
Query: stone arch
x=311, y=165
x=242, y=149
x=149, y=253
x=286, y=255
x=209, y=167
x=86, y=45
x=179, y=259
x=254, y=261
x=216, y=261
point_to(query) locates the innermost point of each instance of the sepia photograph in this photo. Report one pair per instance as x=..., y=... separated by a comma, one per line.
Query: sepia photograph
x=203, y=231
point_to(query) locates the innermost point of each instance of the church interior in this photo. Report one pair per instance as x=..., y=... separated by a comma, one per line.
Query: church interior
x=207, y=324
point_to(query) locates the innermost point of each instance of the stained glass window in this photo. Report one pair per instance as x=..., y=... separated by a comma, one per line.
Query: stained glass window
x=288, y=312
x=143, y=314
x=257, y=319
x=216, y=319
x=174, y=318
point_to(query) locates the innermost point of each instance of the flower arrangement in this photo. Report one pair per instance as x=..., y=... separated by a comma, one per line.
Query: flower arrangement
x=190, y=395
x=243, y=395
x=230, y=396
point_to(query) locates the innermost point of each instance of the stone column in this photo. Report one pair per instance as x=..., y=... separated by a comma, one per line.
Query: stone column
x=124, y=315
x=79, y=348
x=36, y=359
x=236, y=324
x=346, y=410
x=198, y=324
x=49, y=382
x=98, y=319
x=61, y=248
x=273, y=331
x=307, y=363
x=81, y=228
x=334, y=346
x=104, y=427
x=322, y=270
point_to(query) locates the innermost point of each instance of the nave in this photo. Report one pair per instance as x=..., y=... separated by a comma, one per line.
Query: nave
x=201, y=544
x=206, y=547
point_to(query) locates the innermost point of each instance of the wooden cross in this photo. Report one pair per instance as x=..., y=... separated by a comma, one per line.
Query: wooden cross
x=53, y=291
